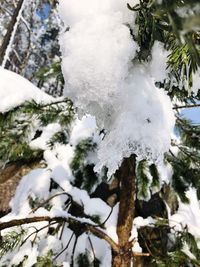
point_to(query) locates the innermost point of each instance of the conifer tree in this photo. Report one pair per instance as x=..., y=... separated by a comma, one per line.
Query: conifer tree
x=70, y=216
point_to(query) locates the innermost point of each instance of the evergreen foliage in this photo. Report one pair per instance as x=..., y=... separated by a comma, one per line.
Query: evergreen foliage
x=155, y=176
x=177, y=255
x=142, y=179
x=17, y=124
x=85, y=177
x=160, y=20
x=83, y=261
x=10, y=241
x=49, y=72
x=148, y=178
x=186, y=163
x=45, y=261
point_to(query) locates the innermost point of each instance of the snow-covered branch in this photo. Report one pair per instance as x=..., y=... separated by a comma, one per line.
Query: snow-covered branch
x=86, y=227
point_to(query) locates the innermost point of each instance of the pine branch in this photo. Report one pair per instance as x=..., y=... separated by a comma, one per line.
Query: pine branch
x=187, y=106
x=71, y=221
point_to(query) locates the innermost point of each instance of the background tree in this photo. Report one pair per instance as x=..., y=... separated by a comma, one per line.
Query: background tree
x=30, y=45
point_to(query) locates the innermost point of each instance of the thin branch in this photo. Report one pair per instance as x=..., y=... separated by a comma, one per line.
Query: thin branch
x=103, y=223
x=37, y=231
x=66, y=247
x=26, y=24
x=73, y=251
x=92, y=247
x=95, y=231
x=5, y=9
x=62, y=230
x=50, y=198
x=70, y=197
x=62, y=101
x=187, y=106
x=140, y=254
x=17, y=55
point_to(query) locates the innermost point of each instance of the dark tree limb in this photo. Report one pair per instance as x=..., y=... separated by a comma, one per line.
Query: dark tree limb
x=187, y=106
x=127, y=177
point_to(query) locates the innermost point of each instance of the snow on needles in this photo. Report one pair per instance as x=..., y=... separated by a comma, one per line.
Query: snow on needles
x=15, y=90
x=101, y=79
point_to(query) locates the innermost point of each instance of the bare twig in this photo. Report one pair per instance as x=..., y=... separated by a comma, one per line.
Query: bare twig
x=50, y=198
x=5, y=9
x=73, y=251
x=91, y=245
x=62, y=230
x=187, y=106
x=66, y=247
x=37, y=231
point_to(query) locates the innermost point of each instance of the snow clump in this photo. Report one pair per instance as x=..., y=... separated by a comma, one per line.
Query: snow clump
x=15, y=90
x=102, y=80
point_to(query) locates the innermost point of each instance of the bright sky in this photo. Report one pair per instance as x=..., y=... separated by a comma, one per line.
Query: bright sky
x=193, y=114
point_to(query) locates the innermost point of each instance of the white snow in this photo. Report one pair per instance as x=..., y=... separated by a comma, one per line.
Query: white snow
x=47, y=133
x=58, y=159
x=158, y=63
x=15, y=90
x=97, y=55
x=137, y=223
x=83, y=129
x=136, y=127
x=36, y=183
x=72, y=11
x=188, y=214
x=196, y=82
x=16, y=257
x=102, y=80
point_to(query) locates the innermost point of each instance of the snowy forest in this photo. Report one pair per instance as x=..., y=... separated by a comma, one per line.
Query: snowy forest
x=99, y=133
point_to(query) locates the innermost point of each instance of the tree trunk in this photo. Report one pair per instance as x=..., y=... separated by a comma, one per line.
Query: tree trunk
x=127, y=176
x=10, y=29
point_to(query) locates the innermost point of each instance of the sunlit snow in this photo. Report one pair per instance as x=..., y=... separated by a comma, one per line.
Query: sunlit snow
x=102, y=80
x=15, y=90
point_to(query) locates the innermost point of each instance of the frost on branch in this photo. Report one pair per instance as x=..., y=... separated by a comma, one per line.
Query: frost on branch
x=101, y=78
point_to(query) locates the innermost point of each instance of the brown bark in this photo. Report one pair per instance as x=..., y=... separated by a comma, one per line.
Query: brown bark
x=126, y=174
x=8, y=35
x=10, y=176
x=73, y=222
